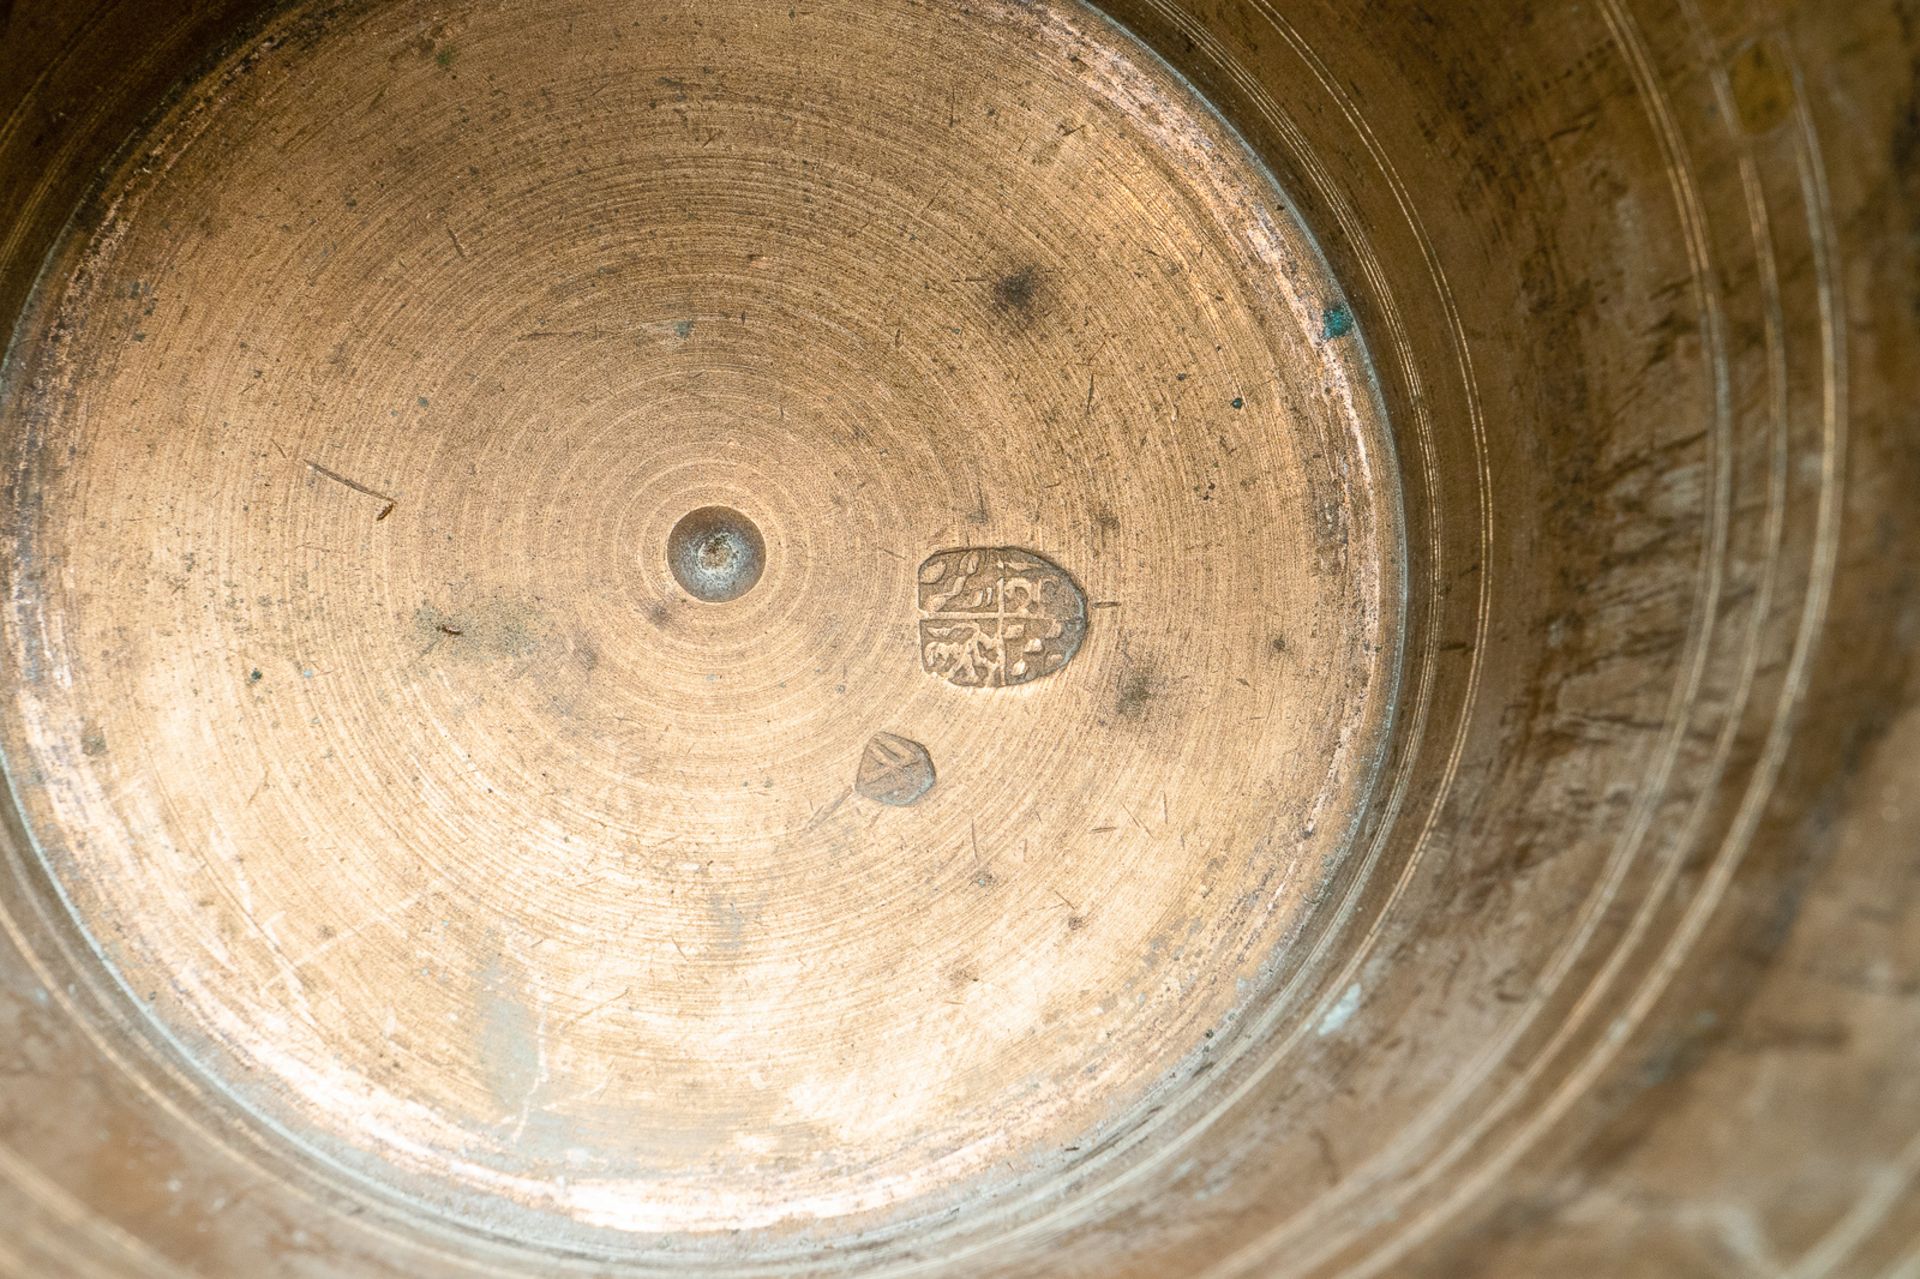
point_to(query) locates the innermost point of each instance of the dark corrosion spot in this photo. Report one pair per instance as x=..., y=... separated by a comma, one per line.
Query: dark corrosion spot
x=716, y=554
x=1018, y=291
x=1762, y=86
x=1136, y=691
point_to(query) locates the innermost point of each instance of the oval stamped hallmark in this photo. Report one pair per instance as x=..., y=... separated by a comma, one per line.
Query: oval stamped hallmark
x=994, y=617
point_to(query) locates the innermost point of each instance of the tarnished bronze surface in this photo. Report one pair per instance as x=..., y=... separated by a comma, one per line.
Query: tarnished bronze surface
x=997, y=638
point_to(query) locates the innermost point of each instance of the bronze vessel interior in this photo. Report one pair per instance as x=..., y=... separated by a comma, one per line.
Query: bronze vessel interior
x=959, y=638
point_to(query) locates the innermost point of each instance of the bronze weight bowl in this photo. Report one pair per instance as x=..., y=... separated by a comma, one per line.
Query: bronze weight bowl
x=919, y=637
